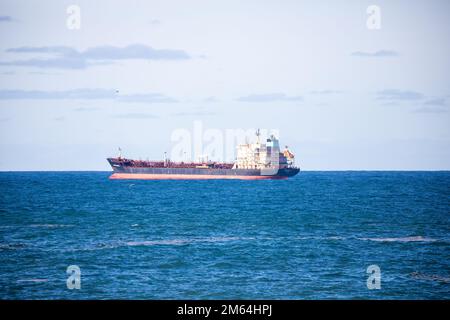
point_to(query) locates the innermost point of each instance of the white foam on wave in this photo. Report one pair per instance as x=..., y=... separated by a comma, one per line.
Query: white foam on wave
x=50, y=225
x=32, y=280
x=431, y=277
x=167, y=242
x=157, y=242
x=401, y=239
x=181, y=241
x=44, y=225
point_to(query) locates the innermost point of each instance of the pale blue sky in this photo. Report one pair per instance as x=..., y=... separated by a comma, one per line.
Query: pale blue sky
x=342, y=96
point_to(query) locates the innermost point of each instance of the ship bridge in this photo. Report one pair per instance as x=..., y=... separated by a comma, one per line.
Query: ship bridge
x=265, y=155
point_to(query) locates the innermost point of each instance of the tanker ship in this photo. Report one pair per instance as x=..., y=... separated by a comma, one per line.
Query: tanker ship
x=254, y=161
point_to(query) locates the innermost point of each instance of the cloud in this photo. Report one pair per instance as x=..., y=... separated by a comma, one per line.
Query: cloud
x=85, y=109
x=55, y=63
x=393, y=97
x=6, y=19
x=84, y=94
x=63, y=57
x=325, y=92
x=146, y=98
x=194, y=114
x=155, y=22
x=430, y=110
x=434, y=105
x=137, y=116
x=210, y=99
x=441, y=102
x=41, y=73
x=399, y=95
x=270, y=97
x=376, y=54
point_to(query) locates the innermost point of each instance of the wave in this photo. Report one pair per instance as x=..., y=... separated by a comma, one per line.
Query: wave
x=11, y=246
x=401, y=239
x=32, y=280
x=182, y=241
x=165, y=242
x=43, y=225
x=187, y=241
x=431, y=277
x=157, y=242
x=49, y=225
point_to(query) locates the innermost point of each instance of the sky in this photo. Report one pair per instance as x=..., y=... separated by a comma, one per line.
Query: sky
x=344, y=86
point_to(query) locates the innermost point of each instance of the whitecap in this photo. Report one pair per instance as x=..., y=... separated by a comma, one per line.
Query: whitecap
x=157, y=242
x=32, y=280
x=167, y=242
x=401, y=239
x=49, y=225
x=431, y=277
x=182, y=241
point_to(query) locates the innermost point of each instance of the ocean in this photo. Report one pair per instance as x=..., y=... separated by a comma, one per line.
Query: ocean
x=309, y=237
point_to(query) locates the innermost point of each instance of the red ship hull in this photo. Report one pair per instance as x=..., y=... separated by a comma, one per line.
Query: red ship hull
x=149, y=176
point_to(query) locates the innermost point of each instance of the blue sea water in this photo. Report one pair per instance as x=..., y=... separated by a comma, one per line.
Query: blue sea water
x=309, y=237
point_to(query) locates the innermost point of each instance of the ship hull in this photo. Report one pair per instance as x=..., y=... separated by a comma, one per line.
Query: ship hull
x=124, y=172
x=149, y=176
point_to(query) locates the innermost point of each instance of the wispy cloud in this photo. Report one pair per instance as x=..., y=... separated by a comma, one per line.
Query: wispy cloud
x=210, y=99
x=63, y=57
x=393, y=97
x=136, y=116
x=376, y=54
x=430, y=110
x=84, y=94
x=155, y=22
x=194, y=114
x=146, y=98
x=399, y=95
x=6, y=19
x=325, y=92
x=434, y=105
x=85, y=109
x=43, y=73
x=270, y=97
x=441, y=102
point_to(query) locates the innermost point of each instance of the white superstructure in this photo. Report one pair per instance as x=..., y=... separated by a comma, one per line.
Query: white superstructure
x=259, y=155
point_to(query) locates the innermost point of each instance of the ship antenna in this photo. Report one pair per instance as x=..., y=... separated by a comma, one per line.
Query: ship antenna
x=120, y=153
x=257, y=135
